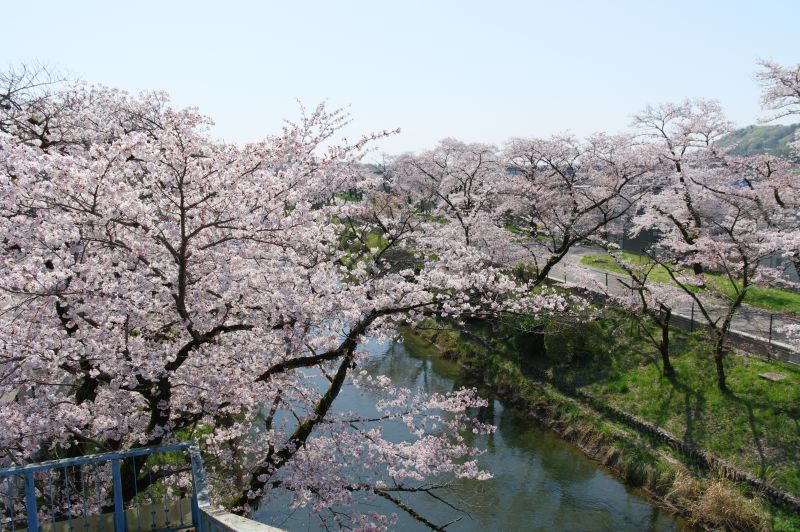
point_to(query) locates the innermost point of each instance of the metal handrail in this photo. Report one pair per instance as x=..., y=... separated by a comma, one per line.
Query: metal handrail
x=93, y=484
x=204, y=516
x=93, y=458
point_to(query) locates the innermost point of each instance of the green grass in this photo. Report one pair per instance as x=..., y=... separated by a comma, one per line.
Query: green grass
x=432, y=218
x=607, y=262
x=756, y=427
x=375, y=240
x=767, y=298
x=359, y=247
x=514, y=229
x=347, y=196
x=774, y=299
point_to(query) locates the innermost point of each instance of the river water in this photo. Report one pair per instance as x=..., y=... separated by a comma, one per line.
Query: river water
x=540, y=481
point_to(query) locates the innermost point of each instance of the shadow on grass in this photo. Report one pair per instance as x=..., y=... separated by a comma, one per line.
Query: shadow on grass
x=693, y=407
x=751, y=420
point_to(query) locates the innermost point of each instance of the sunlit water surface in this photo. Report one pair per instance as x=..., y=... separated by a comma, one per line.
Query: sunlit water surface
x=540, y=482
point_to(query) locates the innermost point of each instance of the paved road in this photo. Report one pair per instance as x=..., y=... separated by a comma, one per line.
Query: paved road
x=748, y=320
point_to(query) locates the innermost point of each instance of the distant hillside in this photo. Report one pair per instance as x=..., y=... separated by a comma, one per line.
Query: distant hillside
x=752, y=140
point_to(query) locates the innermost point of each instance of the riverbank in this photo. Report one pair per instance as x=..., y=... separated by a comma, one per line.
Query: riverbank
x=680, y=480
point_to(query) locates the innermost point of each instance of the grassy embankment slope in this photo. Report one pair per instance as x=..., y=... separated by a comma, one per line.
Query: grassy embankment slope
x=755, y=428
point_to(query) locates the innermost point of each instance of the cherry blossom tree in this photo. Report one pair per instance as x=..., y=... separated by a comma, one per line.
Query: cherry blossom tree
x=716, y=212
x=739, y=227
x=781, y=89
x=457, y=183
x=562, y=192
x=158, y=285
x=676, y=132
x=781, y=98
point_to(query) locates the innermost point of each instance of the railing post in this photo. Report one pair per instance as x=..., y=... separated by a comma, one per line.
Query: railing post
x=199, y=491
x=769, y=340
x=30, y=502
x=691, y=321
x=119, y=507
x=606, y=279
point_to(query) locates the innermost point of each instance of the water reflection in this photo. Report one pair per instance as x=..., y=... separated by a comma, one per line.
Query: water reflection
x=540, y=482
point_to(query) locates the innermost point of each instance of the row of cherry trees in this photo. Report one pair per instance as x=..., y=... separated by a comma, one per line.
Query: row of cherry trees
x=713, y=212
x=158, y=284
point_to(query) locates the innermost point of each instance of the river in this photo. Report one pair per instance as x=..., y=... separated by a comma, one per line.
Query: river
x=540, y=481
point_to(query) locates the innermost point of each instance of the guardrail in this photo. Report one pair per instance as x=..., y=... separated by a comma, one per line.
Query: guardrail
x=150, y=488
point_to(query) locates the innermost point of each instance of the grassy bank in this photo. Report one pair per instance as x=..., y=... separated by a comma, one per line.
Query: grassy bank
x=752, y=428
x=764, y=297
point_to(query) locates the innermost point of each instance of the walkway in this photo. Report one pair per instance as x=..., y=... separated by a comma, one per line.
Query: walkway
x=752, y=323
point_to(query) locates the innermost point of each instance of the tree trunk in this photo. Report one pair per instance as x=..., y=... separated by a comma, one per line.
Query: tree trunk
x=719, y=355
x=669, y=371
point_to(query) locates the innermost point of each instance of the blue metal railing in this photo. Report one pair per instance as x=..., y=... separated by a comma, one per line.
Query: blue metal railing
x=151, y=488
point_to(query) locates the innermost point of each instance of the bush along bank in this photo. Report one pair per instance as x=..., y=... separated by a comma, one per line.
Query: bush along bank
x=688, y=479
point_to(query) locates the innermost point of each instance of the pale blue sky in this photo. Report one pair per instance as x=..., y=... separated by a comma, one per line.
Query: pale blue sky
x=480, y=71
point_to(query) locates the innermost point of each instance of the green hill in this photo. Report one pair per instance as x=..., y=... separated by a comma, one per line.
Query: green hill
x=753, y=140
